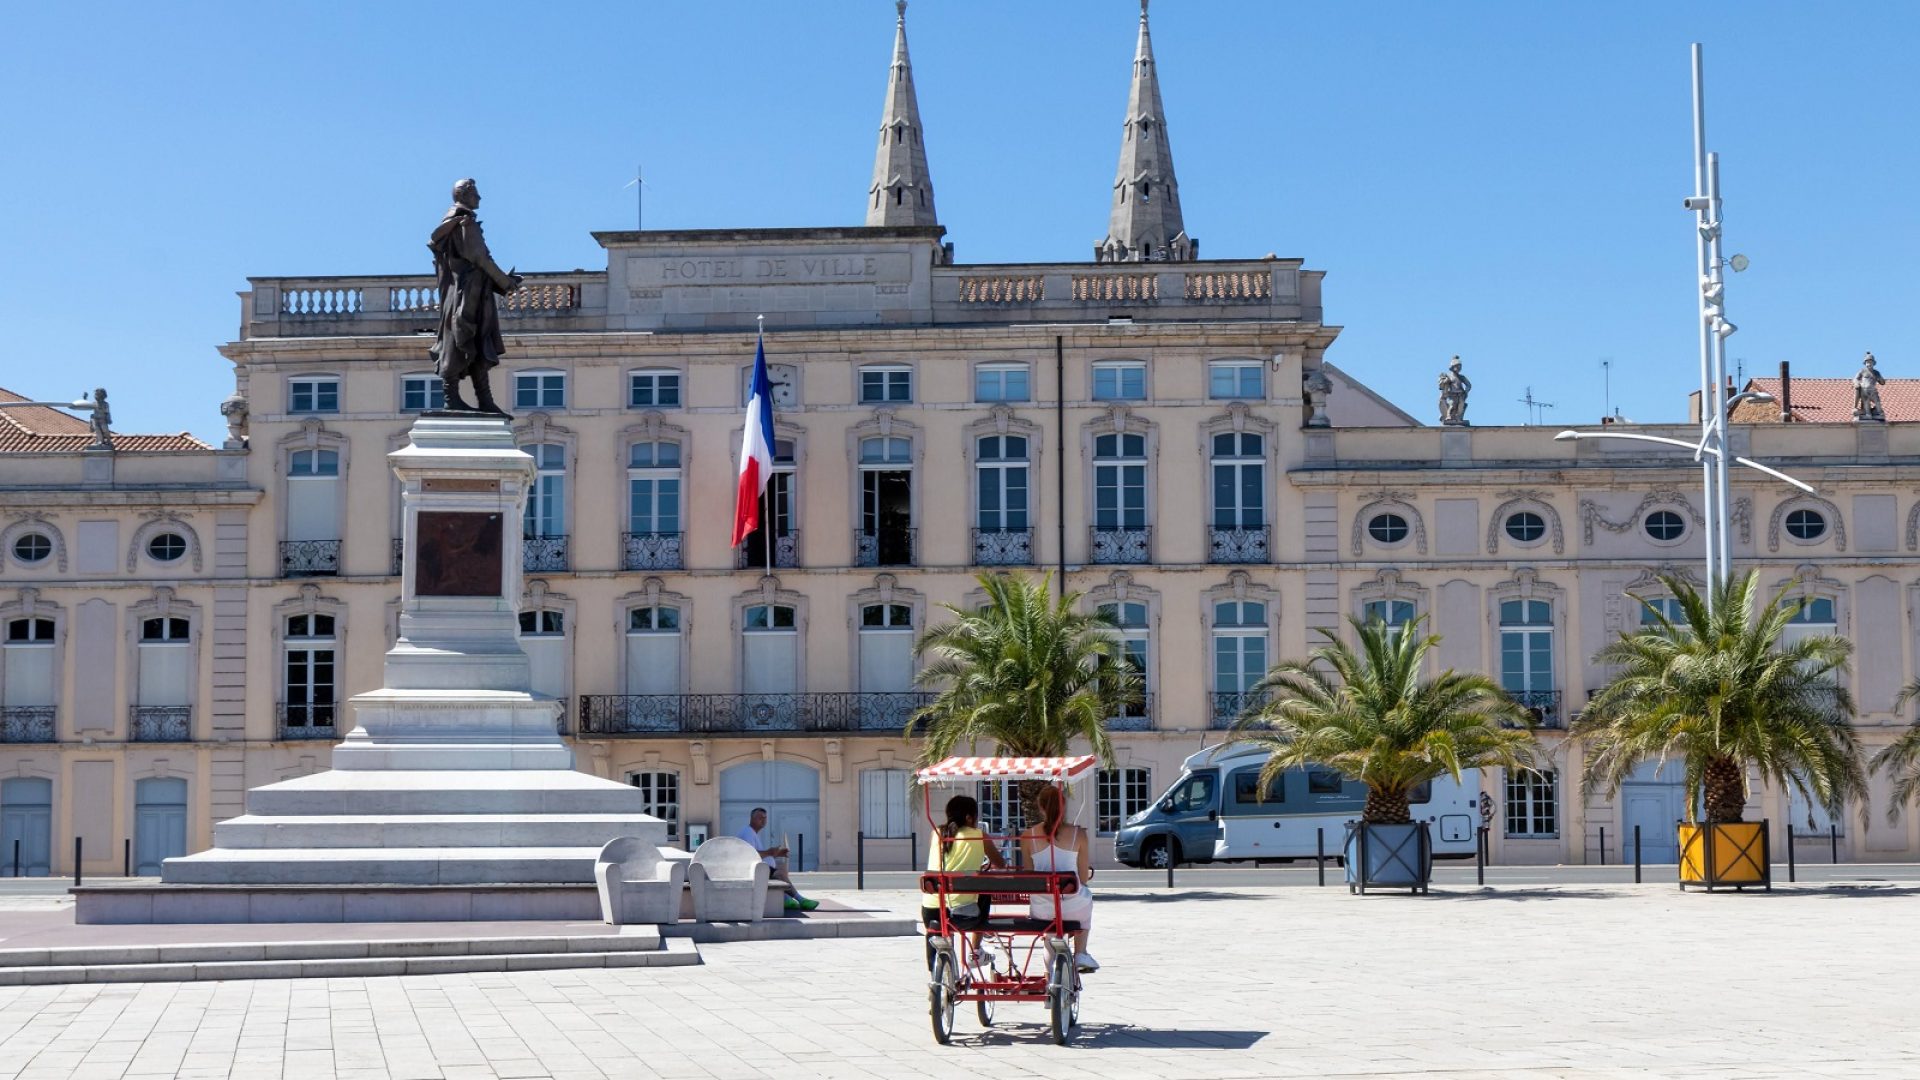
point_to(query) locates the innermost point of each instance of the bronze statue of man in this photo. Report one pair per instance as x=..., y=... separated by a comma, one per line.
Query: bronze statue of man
x=469, y=344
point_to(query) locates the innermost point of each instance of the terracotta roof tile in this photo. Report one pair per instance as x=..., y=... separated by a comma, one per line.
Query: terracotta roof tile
x=40, y=430
x=1828, y=401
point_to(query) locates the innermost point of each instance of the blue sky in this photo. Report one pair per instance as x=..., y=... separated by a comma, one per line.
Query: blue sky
x=1500, y=180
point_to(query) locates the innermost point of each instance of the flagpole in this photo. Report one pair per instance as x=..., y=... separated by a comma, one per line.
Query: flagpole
x=766, y=527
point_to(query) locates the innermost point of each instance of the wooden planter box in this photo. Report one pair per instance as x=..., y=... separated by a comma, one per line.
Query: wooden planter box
x=1390, y=856
x=1737, y=855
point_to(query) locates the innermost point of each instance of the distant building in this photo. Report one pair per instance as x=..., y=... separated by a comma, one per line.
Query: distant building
x=182, y=622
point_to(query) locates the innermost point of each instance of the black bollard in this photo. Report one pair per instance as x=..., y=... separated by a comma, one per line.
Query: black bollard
x=1636, y=854
x=126, y=856
x=76, y=860
x=1320, y=854
x=1169, y=868
x=16, y=856
x=801, y=851
x=860, y=860
x=1603, y=845
x=913, y=850
x=1790, y=866
x=1480, y=855
x=1833, y=837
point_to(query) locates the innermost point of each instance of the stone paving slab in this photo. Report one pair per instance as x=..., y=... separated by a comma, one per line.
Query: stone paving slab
x=1610, y=981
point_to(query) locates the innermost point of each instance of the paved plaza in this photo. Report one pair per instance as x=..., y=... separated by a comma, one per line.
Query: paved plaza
x=1200, y=982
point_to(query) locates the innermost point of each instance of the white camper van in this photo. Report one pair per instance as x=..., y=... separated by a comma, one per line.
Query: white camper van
x=1216, y=812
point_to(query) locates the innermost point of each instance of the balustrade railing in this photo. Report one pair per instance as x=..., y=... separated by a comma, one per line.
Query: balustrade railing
x=1228, y=706
x=26, y=723
x=888, y=547
x=414, y=298
x=650, y=551
x=307, y=720
x=1111, y=545
x=309, y=558
x=1229, y=286
x=1003, y=289
x=1120, y=288
x=722, y=714
x=1134, y=716
x=544, y=554
x=752, y=552
x=1543, y=704
x=160, y=723
x=1245, y=544
x=1003, y=547
x=322, y=301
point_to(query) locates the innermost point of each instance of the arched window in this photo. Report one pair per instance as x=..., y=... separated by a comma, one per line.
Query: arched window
x=771, y=653
x=1239, y=481
x=311, y=690
x=886, y=649
x=1120, y=497
x=1001, y=485
x=547, y=499
x=653, y=488
x=1526, y=655
x=653, y=650
x=1239, y=654
x=1136, y=647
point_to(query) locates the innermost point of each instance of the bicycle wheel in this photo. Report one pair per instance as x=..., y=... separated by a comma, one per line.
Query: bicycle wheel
x=984, y=1010
x=940, y=998
x=1062, y=998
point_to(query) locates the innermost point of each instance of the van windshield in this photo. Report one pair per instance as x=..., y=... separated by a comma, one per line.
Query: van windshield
x=1191, y=793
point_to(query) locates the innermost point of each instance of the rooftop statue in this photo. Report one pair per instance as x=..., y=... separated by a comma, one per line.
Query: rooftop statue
x=469, y=344
x=1454, y=388
x=1866, y=392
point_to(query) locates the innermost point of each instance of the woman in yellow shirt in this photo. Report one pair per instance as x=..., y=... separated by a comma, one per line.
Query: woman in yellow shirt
x=959, y=848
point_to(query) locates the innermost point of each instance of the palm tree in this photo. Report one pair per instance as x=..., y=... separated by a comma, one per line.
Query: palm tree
x=1902, y=758
x=1720, y=691
x=1027, y=673
x=1369, y=714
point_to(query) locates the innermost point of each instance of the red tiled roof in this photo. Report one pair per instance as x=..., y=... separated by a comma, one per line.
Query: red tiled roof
x=38, y=429
x=1828, y=401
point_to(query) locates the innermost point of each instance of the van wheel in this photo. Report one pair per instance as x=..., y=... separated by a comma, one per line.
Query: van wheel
x=1160, y=853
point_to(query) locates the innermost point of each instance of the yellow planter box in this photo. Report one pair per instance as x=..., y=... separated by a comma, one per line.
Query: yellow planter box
x=1736, y=854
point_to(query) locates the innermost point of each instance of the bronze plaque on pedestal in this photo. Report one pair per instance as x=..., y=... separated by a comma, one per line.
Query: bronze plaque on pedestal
x=457, y=554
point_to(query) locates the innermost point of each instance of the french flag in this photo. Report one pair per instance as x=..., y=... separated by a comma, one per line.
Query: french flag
x=756, y=449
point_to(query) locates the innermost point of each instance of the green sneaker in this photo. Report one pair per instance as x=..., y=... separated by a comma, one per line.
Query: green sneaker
x=792, y=904
x=809, y=905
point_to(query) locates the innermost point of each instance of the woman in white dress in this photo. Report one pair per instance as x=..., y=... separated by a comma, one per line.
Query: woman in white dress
x=1058, y=848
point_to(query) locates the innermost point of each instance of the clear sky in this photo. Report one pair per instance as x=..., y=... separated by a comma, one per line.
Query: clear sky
x=1498, y=180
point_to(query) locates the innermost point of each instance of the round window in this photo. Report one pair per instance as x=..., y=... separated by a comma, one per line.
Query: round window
x=167, y=546
x=1806, y=525
x=1665, y=525
x=32, y=548
x=1387, y=528
x=1526, y=526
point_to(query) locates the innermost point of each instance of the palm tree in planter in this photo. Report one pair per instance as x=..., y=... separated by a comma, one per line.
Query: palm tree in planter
x=1721, y=692
x=1366, y=711
x=1028, y=673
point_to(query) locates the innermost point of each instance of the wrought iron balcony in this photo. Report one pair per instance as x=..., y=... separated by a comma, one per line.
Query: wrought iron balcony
x=399, y=556
x=1137, y=716
x=752, y=552
x=26, y=723
x=888, y=547
x=650, y=551
x=1116, y=545
x=1003, y=547
x=1543, y=704
x=747, y=714
x=544, y=554
x=1244, y=544
x=309, y=558
x=307, y=721
x=1229, y=706
x=160, y=723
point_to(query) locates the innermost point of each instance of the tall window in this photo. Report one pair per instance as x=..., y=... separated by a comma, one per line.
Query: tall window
x=540, y=390
x=1136, y=643
x=547, y=500
x=885, y=804
x=1665, y=605
x=1001, y=382
x=318, y=394
x=1120, y=482
x=1000, y=473
x=660, y=797
x=885, y=385
x=1239, y=481
x=1526, y=646
x=1236, y=379
x=886, y=502
x=653, y=487
x=1115, y=380
x=1396, y=614
x=1815, y=617
x=313, y=504
x=653, y=650
x=886, y=648
x=1118, y=795
x=1000, y=813
x=26, y=665
x=165, y=668
x=772, y=653
x=543, y=637
x=419, y=393
x=1239, y=648
x=313, y=463
x=1533, y=804
x=311, y=690
x=653, y=390
x=776, y=511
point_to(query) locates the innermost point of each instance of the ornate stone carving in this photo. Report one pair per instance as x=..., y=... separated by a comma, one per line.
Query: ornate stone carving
x=1591, y=514
x=1519, y=499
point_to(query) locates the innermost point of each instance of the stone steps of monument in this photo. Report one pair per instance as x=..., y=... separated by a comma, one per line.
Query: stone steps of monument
x=428, y=830
x=623, y=939
x=675, y=952
x=423, y=792
x=389, y=866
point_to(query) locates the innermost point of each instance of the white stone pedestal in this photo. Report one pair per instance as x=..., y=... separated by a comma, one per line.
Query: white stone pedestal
x=455, y=775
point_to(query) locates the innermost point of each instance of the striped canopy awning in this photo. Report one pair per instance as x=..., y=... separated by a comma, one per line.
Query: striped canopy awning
x=1008, y=768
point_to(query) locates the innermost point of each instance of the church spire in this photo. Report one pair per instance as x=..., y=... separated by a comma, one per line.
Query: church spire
x=902, y=189
x=1145, y=223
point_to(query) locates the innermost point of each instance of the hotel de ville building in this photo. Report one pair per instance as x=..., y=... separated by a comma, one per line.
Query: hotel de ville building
x=1161, y=431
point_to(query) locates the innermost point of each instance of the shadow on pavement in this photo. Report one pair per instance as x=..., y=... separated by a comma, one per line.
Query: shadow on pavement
x=1113, y=1036
x=1170, y=896
x=1509, y=892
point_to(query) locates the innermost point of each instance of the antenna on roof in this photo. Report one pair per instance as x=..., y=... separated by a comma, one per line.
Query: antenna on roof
x=1606, y=386
x=1536, y=410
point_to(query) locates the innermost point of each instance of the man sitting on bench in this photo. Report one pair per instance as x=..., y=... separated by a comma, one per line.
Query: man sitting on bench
x=771, y=856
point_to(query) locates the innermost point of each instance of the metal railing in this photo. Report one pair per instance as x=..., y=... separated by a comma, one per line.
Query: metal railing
x=1543, y=704
x=26, y=723
x=1116, y=545
x=309, y=558
x=544, y=554
x=307, y=721
x=1243, y=544
x=888, y=547
x=1135, y=716
x=1003, y=547
x=1230, y=705
x=160, y=723
x=752, y=552
x=650, y=551
x=720, y=714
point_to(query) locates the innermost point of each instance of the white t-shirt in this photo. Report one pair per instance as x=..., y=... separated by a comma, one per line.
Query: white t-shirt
x=753, y=838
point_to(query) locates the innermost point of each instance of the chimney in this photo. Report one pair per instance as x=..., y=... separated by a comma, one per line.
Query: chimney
x=1786, y=394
